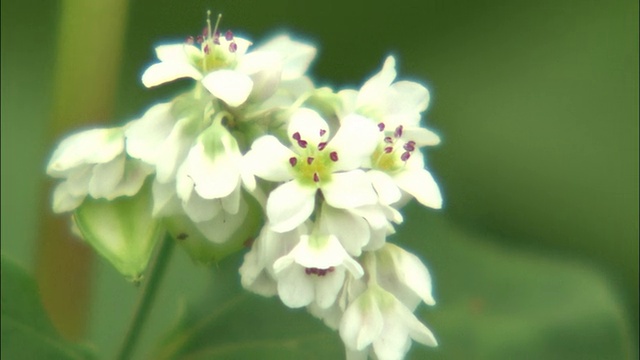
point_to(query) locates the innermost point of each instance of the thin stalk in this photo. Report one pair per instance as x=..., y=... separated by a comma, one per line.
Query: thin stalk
x=147, y=296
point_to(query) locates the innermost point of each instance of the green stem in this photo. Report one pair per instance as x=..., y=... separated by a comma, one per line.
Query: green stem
x=147, y=295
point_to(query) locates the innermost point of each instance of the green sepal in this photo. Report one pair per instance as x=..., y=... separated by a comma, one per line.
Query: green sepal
x=205, y=251
x=122, y=230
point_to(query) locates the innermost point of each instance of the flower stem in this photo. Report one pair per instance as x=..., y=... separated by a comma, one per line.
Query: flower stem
x=147, y=296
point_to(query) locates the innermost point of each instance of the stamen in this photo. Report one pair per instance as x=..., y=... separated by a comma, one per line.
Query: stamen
x=302, y=144
x=310, y=160
x=293, y=161
x=189, y=40
x=381, y=126
x=388, y=139
x=322, y=145
x=199, y=39
x=398, y=132
x=322, y=132
x=410, y=146
x=334, y=156
x=206, y=49
x=388, y=149
x=405, y=156
x=228, y=35
x=233, y=47
x=316, y=178
x=296, y=136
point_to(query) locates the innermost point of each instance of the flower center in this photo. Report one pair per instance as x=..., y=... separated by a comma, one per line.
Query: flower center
x=215, y=52
x=315, y=163
x=393, y=153
x=318, y=272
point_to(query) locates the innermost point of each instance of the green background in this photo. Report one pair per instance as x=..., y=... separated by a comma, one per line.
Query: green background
x=537, y=106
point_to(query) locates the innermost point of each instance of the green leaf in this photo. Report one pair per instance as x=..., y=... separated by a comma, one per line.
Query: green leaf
x=492, y=303
x=27, y=332
x=121, y=230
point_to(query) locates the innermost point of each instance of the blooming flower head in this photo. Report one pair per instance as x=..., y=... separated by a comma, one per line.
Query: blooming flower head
x=314, y=162
x=223, y=66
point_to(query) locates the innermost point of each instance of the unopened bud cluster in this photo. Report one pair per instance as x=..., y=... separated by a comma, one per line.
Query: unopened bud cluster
x=254, y=150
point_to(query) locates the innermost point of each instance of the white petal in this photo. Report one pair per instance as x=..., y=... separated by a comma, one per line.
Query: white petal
x=199, y=209
x=163, y=72
x=295, y=287
x=232, y=87
x=213, y=177
x=361, y=323
x=289, y=205
x=264, y=68
x=411, y=272
x=354, y=142
x=412, y=97
x=422, y=186
x=297, y=55
x=352, y=231
x=241, y=45
x=145, y=135
x=106, y=177
x=223, y=226
x=384, y=185
x=94, y=146
x=78, y=180
x=349, y=190
x=373, y=91
x=309, y=125
x=63, y=200
x=421, y=136
x=328, y=287
x=269, y=159
x=175, y=148
x=135, y=173
x=416, y=329
x=231, y=203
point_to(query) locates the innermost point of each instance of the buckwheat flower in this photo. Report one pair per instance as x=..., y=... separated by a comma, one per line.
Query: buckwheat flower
x=94, y=163
x=223, y=66
x=256, y=271
x=377, y=321
x=397, y=166
x=314, y=271
x=314, y=162
x=402, y=274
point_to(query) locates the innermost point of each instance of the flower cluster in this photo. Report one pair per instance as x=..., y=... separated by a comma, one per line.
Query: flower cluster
x=254, y=143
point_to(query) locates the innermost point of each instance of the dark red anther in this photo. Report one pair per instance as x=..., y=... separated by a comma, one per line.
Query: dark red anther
x=388, y=149
x=333, y=156
x=381, y=126
x=233, y=47
x=205, y=31
x=307, y=271
x=322, y=132
x=199, y=39
x=206, y=49
x=316, y=178
x=410, y=146
x=228, y=35
x=322, y=145
x=405, y=156
x=293, y=161
x=302, y=144
x=296, y=136
x=189, y=40
x=309, y=160
x=388, y=139
x=216, y=38
x=398, y=132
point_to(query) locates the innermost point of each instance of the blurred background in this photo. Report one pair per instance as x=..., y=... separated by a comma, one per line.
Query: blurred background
x=535, y=254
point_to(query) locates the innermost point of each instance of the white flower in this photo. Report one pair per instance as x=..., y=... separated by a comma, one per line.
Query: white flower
x=314, y=271
x=313, y=163
x=94, y=163
x=225, y=68
x=256, y=272
x=397, y=165
x=402, y=274
x=377, y=320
